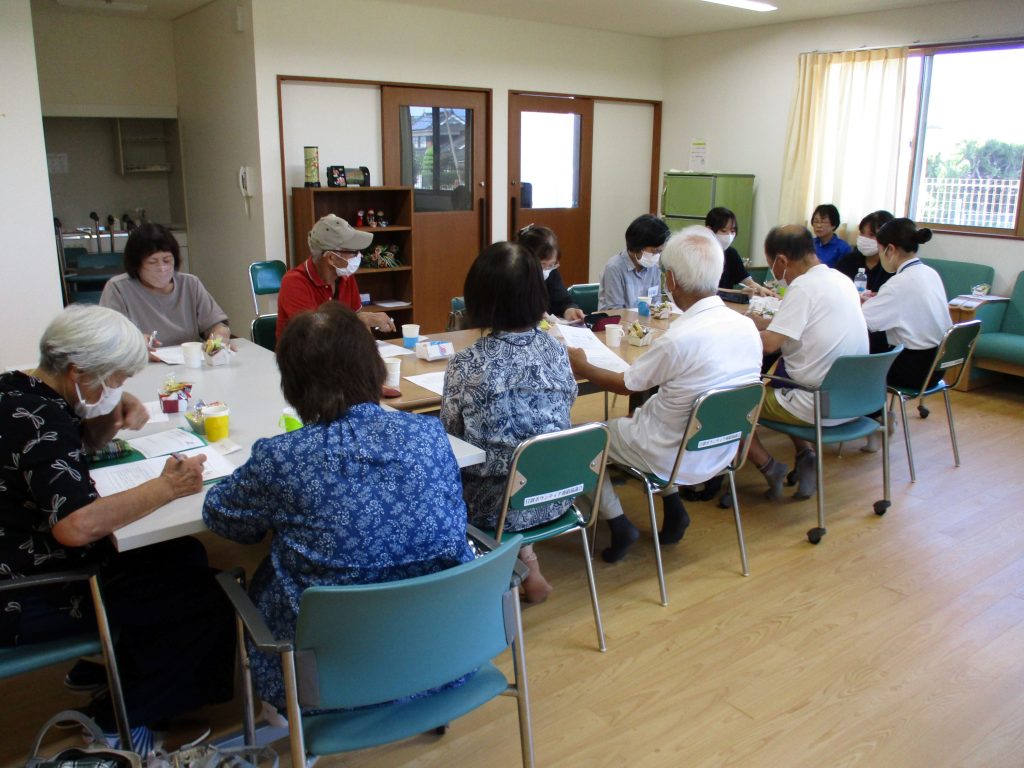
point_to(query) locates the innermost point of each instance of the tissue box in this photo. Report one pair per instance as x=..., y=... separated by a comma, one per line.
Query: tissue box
x=434, y=350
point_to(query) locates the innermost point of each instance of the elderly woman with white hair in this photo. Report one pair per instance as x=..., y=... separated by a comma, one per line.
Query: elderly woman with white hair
x=708, y=346
x=176, y=631
x=328, y=275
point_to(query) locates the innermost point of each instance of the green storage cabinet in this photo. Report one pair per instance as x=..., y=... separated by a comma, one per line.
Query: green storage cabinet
x=686, y=199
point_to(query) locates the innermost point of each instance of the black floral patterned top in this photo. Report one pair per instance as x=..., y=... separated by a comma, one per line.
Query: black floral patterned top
x=44, y=477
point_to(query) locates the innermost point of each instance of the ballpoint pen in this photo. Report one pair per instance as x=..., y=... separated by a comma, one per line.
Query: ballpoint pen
x=152, y=340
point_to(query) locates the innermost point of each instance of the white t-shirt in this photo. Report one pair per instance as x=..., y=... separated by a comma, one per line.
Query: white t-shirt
x=709, y=346
x=911, y=307
x=820, y=317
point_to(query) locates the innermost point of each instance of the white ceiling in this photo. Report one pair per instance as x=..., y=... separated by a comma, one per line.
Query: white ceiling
x=654, y=18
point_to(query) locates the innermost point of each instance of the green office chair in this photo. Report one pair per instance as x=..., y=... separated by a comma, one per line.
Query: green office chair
x=584, y=295
x=364, y=652
x=956, y=348
x=264, y=331
x=853, y=388
x=265, y=280
x=722, y=416
x=26, y=658
x=559, y=465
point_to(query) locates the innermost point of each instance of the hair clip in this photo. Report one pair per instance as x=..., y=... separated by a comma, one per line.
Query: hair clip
x=526, y=229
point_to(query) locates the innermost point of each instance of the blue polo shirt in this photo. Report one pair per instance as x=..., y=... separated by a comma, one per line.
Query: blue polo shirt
x=830, y=252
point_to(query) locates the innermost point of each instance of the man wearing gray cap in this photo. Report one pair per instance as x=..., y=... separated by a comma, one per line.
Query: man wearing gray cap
x=329, y=273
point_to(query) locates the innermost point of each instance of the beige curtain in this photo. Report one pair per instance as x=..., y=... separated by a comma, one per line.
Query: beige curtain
x=843, y=144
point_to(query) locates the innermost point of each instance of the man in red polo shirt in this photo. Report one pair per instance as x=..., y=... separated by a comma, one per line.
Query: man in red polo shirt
x=329, y=273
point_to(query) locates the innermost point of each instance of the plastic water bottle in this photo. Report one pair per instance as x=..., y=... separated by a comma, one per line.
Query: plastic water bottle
x=860, y=282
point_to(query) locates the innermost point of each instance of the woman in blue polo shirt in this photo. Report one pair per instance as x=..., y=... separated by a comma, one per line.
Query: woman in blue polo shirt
x=827, y=245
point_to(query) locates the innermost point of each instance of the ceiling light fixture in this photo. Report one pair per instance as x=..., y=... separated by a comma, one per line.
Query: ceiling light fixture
x=746, y=5
x=105, y=5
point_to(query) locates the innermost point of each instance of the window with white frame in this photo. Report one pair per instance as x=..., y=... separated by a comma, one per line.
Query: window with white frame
x=967, y=141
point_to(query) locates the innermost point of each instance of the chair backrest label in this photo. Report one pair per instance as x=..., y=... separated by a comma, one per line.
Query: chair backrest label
x=731, y=438
x=951, y=363
x=573, y=490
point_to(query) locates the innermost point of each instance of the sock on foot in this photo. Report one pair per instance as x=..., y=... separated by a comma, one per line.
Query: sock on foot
x=775, y=473
x=806, y=474
x=624, y=533
x=676, y=519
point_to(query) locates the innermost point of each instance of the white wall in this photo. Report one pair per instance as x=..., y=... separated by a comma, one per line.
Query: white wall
x=104, y=66
x=734, y=89
x=621, y=176
x=406, y=44
x=217, y=120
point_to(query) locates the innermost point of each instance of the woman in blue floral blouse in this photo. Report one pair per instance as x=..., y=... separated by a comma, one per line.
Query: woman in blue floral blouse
x=359, y=495
x=514, y=383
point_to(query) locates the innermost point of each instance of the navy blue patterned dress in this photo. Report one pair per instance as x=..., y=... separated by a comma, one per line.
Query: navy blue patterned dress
x=372, y=497
x=503, y=389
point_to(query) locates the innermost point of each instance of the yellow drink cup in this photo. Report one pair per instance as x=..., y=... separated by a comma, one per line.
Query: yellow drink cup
x=216, y=422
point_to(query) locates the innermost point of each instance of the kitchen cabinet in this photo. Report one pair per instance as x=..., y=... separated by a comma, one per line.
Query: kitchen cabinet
x=687, y=197
x=144, y=145
x=390, y=284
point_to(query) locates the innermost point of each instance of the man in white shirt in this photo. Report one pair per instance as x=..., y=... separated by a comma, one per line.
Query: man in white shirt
x=818, y=321
x=709, y=346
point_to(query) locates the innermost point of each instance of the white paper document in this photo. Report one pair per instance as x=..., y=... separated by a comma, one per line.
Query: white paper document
x=156, y=413
x=392, y=350
x=390, y=304
x=433, y=381
x=163, y=443
x=597, y=353
x=170, y=355
x=123, y=477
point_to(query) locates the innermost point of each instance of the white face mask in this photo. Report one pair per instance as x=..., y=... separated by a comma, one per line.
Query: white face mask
x=648, y=259
x=350, y=269
x=108, y=401
x=547, y=272
x=867, y=245
x=725, y=238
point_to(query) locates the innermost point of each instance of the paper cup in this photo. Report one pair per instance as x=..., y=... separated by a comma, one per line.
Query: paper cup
x=613, y=335
x=192, y=351
x=215, y=419
x=410, y=335
x=289, y=420
x=394, y=372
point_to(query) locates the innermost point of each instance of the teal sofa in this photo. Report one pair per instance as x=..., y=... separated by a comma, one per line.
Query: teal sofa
x=959, y=277
x=1000, y=346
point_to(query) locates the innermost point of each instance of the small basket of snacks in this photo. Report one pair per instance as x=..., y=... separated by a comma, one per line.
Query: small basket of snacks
x=217, y=351
x=196, y=416
x=174, y=395
x=662, y=311
x=638, y=335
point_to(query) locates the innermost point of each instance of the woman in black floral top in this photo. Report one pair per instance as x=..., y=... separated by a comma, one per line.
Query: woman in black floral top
x=52, y=519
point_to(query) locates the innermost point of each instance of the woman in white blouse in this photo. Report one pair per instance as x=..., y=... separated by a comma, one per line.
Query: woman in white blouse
x=911, y=307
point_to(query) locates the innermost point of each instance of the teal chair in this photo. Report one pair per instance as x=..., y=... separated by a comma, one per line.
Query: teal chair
x=559, y=465
x=360, y=652
x=264, y=331
x=722, y=416
x=22, y=659
x=854, y=388
x=956, y=349
x=265, y=280
x=584, y=295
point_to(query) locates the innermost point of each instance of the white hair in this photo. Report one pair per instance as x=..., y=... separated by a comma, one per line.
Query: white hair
x=99, y=341
x=696, y=260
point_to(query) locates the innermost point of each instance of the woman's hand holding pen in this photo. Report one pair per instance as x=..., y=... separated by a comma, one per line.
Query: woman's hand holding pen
x=184, y=476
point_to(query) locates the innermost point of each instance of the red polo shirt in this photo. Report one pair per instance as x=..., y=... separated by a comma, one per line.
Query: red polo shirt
x=302, y=289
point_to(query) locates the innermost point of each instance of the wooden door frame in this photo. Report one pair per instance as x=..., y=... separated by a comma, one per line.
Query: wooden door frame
x=283, y=80
x=655, y=132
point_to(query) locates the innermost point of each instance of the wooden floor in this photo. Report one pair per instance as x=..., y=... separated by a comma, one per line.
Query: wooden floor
x=898, y=641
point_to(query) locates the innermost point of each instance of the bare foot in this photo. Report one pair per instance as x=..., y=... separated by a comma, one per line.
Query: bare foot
x=535, y=587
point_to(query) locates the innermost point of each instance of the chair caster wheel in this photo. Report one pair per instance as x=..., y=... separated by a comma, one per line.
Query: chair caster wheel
x=881, y=507
x=441, y=730
x=923, y=411
x=814, y=535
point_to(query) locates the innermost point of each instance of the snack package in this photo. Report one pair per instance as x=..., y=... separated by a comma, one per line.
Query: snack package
x=174, y=395
x=638, y=335
x=434, y=350
x=217, y=351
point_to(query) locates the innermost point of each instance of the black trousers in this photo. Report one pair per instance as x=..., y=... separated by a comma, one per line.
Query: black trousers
x=910, y=366
x=176, y=643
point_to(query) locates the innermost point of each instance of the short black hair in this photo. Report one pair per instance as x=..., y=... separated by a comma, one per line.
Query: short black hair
x=875, y=220
x=719, y=218
x=504, y=290
x=792, y=241
x=828, y=210
x=646, y=231
x=904, y=234
x=540, y=241
x=145, y=240
x=328, y=362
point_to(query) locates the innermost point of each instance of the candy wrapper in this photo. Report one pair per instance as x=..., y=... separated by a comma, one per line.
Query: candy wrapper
x=174, y=395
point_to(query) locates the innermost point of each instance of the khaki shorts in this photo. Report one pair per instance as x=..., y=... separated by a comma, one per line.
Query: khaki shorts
x=772, y=410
